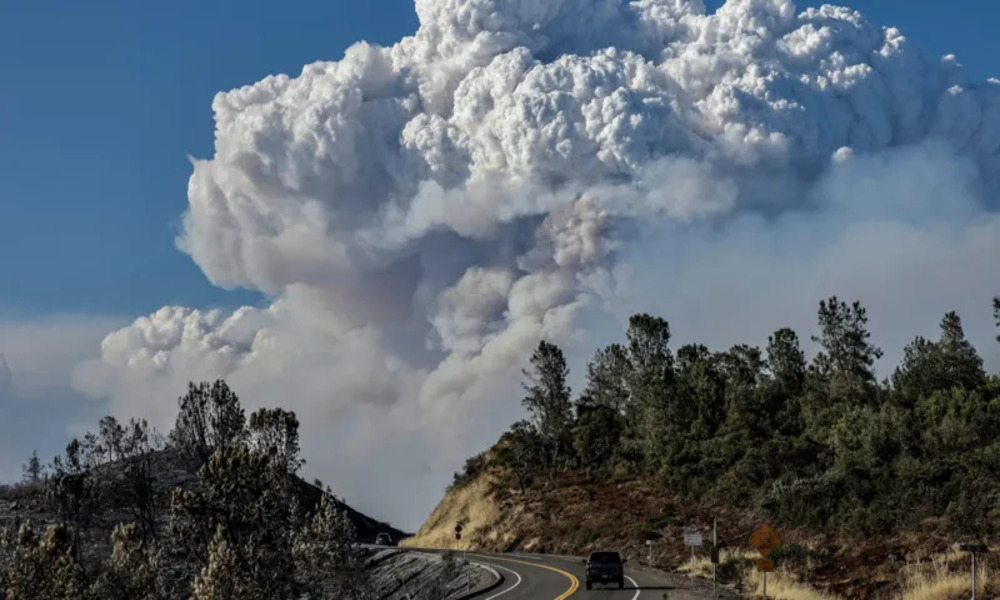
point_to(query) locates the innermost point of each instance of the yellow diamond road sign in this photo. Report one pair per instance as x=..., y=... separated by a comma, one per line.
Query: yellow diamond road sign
x=765, y=564
x=765, y=539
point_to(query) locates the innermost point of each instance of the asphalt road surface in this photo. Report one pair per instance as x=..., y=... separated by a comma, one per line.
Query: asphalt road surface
x=534, y=577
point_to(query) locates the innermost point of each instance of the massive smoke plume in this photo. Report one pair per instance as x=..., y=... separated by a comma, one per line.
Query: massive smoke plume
x=422, y=214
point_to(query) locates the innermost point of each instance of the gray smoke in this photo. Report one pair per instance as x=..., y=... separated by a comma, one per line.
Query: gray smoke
x=422, y=214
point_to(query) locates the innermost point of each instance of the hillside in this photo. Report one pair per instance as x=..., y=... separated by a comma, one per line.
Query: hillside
x=871, y=483
x=576, y=513
x=169, y=471
x=216, y=505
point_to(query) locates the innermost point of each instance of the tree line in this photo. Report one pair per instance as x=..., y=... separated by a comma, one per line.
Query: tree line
x=816, y=443
x=238, y=531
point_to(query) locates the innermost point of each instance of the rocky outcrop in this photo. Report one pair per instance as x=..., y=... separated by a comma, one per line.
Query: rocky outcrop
x=405, y=575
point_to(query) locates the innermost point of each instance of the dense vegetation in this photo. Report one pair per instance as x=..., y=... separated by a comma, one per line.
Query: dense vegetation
x=816, y=444
x=237, y=532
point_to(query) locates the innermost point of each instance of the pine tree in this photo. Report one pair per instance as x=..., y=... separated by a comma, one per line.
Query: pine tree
x=961, y=364
x=846, y=363
x=520, y=449
x=33, y=472
x=129, y=573
x=607, y=381
x=548, y=398
x=112, y=436
x=327, y=566
x=602, y=408
x=71, y=488
x=928, y=367
x=210, y=417
x=275, y=433
x=139, y=447
x=996, y=314
x=45, y=568
x=247, y=495
x=225, y=577
x=650, y=380
x=786, y=360
x=701, y=382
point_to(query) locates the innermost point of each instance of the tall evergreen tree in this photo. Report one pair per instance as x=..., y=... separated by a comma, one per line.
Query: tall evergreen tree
x=111, y=437
x=607, y=380
x=961, y=364
x=786, y=360
x=137, y=484
x=248, y=496
x=72, y=488
x=326, y=563
x=548, y=397
x=32, y=471
x=916, y=376
x=650, y=380
x=45, y=568
x=996, y=314
x=702, y=384
x=275, y=433
x=209, y=418
x=846, y=363
x=226, y=576
x=928, y=367
x=129, y=573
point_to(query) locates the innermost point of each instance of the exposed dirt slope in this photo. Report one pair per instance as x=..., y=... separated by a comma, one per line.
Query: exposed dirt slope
x=473, y=506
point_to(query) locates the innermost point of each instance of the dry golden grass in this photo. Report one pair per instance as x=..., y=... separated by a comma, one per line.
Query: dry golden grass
x=782, y=586
x=701, y=566
x=947, y=577
x=472, y=506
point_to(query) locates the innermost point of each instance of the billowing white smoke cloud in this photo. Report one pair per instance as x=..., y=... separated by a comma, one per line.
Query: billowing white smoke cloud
x=423, y=214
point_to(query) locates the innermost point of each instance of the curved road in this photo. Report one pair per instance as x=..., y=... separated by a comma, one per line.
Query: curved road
x=533, y=577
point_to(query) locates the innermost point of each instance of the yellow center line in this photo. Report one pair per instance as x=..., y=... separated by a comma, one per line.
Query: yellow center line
x=574, y=582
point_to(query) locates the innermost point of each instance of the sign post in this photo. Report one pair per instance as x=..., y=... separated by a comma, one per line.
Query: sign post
x=765, y=540
x=715, y=557
x=974, y=549
x=692, y=537
x=649, y=544
x=465, y=559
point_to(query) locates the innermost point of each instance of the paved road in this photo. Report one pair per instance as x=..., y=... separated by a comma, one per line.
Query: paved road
x=534, y=577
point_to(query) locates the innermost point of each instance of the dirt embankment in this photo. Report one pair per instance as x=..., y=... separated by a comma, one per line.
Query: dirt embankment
x=473, y=506
x=575, y=514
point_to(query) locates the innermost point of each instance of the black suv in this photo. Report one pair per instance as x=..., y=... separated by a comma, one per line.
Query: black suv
x=605, y=567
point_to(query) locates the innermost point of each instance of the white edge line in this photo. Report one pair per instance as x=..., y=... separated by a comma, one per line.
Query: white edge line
x=635, y=585
x=486, y=567
x=508, y=590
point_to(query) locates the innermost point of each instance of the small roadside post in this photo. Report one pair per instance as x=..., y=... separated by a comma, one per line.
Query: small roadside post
x=649, y=558
x=765, y=540
x=715, y=557
x=465, y=559
x=974, y=549
x=692, y=537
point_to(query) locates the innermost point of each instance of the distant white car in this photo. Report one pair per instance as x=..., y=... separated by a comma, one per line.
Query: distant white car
x=383, y=539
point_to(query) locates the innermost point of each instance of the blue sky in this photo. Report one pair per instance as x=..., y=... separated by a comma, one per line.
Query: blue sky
x=103, y=101
x=102, y=104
